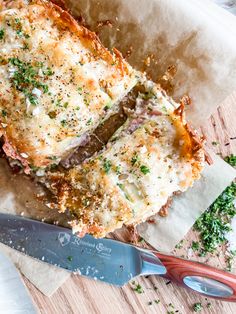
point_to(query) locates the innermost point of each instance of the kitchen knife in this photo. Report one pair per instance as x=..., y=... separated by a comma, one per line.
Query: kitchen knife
x=108, y=260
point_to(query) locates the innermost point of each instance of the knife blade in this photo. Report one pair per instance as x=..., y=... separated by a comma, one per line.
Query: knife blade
x=103, y=259
x=108, y=260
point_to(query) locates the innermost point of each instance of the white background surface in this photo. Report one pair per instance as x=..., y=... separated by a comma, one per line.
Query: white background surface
x=227, y=4
x=14, y=298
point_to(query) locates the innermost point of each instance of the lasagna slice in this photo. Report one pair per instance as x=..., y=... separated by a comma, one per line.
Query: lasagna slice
x=57, y=82
x=154, y=155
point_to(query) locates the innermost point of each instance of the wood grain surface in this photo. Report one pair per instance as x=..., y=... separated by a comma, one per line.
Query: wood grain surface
x=82, y=295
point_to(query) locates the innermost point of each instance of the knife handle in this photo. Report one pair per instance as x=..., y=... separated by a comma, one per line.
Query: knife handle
x=206, y=280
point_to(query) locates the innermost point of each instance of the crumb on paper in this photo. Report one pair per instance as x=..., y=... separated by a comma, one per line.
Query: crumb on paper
x=105, y=23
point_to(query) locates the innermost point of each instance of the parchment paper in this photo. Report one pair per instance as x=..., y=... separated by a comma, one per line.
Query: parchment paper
x=196, y=36
x=186, y=208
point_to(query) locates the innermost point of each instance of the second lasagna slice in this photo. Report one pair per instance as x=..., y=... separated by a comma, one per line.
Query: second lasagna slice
x=154, y=155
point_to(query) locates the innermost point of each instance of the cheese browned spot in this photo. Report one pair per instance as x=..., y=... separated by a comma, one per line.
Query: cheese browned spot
x=149, y=159
x=57, y=82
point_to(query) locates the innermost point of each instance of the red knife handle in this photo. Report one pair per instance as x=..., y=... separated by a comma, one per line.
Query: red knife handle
x=206, y=280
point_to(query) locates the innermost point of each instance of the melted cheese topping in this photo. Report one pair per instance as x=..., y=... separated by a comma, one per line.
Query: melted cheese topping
x=57, y=82
x=135, y=176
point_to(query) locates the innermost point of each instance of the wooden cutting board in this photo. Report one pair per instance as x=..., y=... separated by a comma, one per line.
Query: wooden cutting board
x=82, y=295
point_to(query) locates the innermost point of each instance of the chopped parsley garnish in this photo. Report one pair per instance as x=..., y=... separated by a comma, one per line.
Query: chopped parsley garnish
x=215, y=221
x=171, y=305
x=197, y=307
x=144, y=169
x=18, y=27
x=34, y=168
x=70, y=258
x=33, y=99
x=195, y=246
x=63, y=123
x=58, y=103
x=26, y=46
x=26, y=78
x=134, y=159
x=130, y=200
x=164, y=108
x=157, y=301
x=19, y=32
x=141, y=240
x=48, y=72
x=118, y=169
x=89, y=121
x=179, y=245
x=86, y=101
x=121, y=186
x=108, y=105
x=43, y=86
x=17, y=21
x=231, y=159
x=214, y=224
x=2, y=33
x=39, y=64
x=107, y=166
x=230, y=260
x=4, y=113
x=15, y=61
x=215, y=143
x=137, y=288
